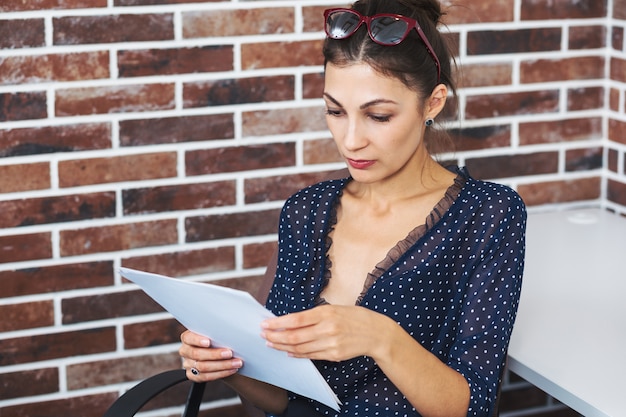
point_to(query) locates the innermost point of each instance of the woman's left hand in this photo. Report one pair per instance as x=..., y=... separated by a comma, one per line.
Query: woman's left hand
x=328, y=332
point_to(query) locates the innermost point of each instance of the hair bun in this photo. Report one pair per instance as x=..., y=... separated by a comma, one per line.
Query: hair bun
x=430, y=8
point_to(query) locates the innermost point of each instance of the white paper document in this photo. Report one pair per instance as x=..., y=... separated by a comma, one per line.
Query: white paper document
x=232, y=318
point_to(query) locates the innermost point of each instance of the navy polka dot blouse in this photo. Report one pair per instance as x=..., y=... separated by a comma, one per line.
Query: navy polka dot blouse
x=455, y=290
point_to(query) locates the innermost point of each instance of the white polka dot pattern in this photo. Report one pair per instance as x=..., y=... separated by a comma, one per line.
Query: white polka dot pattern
x=455, y=291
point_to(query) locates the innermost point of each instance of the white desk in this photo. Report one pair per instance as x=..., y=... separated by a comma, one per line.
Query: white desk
x=570, y=335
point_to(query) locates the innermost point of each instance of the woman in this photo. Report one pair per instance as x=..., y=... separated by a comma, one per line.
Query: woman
x=401, y=281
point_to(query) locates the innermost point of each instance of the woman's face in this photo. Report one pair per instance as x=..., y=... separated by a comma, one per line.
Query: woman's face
x=376, y=122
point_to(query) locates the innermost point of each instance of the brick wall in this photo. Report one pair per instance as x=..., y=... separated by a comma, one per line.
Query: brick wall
x=164, y=135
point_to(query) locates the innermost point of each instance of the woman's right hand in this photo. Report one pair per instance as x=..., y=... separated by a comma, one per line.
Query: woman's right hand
x=211, y=363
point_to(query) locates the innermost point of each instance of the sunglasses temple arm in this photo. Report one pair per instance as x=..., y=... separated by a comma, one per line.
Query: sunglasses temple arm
x=430, y=49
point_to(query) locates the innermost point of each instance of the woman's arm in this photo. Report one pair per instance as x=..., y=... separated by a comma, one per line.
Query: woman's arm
x=219, y=363
x=338, y=333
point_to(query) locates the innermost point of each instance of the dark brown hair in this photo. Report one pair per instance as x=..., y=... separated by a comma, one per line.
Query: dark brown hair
x=408, y=61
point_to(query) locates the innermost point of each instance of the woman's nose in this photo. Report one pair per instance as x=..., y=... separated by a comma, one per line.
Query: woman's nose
x=354, y=137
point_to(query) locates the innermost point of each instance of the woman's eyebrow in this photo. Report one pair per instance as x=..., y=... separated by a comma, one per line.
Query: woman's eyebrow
x=364, y=105
x=331, y=98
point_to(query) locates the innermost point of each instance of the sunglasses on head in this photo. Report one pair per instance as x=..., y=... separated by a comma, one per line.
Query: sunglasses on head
x=384, y=28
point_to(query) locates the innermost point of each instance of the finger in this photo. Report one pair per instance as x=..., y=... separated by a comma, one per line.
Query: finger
x=292, y=320
x=194, y=339
x=212, y=366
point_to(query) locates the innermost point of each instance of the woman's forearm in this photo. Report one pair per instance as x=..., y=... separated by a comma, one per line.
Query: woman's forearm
x=430, y=385
x=267, y=397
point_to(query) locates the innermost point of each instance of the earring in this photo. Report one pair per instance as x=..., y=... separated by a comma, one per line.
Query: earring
x=429, y=122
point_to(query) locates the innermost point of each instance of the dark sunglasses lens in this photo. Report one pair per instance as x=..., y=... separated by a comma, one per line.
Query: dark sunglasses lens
x=388, y=30
x=341, y=24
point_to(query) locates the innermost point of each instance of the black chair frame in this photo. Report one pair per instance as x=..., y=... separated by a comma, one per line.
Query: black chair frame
x=135, y=398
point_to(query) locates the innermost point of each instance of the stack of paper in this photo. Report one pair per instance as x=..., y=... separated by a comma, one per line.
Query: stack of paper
x=232, y=318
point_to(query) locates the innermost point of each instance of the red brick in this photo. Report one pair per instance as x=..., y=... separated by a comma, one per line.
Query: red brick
x=26, y=315
x=320, y=151
x=585, y=98
x=118, y=237
x=24, y=177
x=587, y=37
x=562, y=191
x=278, y=188
x=44, y=381
x=477, y=11
x=616, y=192
x=613, y=160
x=617, y=131
x=489, y=42
x=248, y=284
x=224, y=226
x=114, y=99
x=619, y=9
x=509, y=104
x=81, y=406
x=257, y=255
x=241, y=158
x=504, y=166
x=283, y=121
x=21, y=33
x=484, y=137
x=147, y=62
x=618, y=69
x=77, y=30
x=157, y=2
x=617, y=38
x=563, y=9
x=243, y=22
x=50, y=279
x=119, y=370
x=238, y=91
x=522, y=398
x=107, y=306
x=483, y=75
x=176, y=129
x=284, y=54
x=54, y=67
x=56, y=345
x=559, y=131
x=19, y=248
x=614, y=99
x=21, y=5
x=313, y=17
x=179, y=197
x=45, y=210
x=547, y=70
x=152, y=333
x=23, y=106
x=312, y=85
x=79, y=172
x=185, y=263
x=49, y=139
x=584, y=159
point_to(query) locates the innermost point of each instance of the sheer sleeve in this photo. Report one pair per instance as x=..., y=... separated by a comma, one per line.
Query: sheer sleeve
x=489, y=304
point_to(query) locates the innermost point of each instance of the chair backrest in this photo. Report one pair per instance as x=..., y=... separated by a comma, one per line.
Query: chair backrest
x=135, y=398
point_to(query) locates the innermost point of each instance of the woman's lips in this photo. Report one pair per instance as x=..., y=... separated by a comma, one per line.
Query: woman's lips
x=360, y=163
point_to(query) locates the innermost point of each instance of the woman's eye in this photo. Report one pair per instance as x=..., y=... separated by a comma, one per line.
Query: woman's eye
x=380, y=118
x=332, y=112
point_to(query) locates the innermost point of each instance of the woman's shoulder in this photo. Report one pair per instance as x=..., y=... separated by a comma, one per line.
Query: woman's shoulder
x=319, y=193
x=490, y=195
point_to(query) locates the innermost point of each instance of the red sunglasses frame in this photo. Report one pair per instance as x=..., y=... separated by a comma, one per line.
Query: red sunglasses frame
x=411, y=24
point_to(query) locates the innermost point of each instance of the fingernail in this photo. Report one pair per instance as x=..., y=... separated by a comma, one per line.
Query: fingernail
x=237, y=363
x=205, y=342
x=226, y=354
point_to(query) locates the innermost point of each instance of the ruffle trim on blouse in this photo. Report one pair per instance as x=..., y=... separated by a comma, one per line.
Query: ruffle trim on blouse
x=401, y=247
